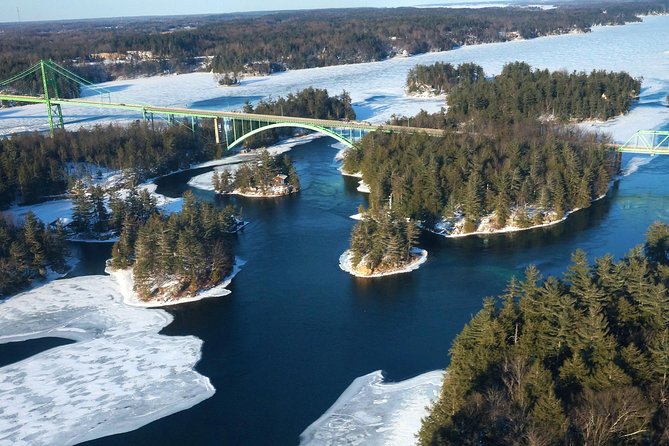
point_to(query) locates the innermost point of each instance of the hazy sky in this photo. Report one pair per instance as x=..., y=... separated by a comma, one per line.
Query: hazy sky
x=75, y=9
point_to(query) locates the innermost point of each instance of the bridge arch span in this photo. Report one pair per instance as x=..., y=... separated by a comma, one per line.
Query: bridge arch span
x=315, y=128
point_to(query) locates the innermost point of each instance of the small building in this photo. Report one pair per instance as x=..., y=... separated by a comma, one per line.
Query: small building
x=280, y=180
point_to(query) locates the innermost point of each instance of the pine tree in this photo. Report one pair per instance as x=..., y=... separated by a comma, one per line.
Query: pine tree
x=293, y=179
x=100, y=216
x=82, y=209
x=32, y=235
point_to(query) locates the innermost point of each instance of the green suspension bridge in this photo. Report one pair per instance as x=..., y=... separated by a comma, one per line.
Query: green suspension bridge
x=232, y=128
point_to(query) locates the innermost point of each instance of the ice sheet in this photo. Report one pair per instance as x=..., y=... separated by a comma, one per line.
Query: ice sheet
x=119, y=376
x=371, y=412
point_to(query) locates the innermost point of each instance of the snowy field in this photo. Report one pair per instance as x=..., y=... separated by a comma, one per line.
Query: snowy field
x=119, y=376
x=371, y=412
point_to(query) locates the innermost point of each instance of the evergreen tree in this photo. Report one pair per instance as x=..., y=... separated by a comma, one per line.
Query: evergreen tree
x=82, y=209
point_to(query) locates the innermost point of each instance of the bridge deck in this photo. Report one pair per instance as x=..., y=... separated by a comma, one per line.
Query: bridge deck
x=189, y=112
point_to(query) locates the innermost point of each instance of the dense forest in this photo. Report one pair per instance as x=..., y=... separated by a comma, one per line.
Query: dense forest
x=100, y=214
x=177, y=254
x=582, y=359
x=501, y=169
x=440, y=77
x=28, y=251
x=36, y=165
x=382, y=241
x=265, y=176
x=308, y=103
x=520, y=92
x=290, y=40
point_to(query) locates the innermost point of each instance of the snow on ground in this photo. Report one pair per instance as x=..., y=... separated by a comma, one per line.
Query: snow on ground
x=420, y=258
x=363, y=187
x=48, y=212
x=204, y=181
x=125, y=283
x=373, y=412
x=119, y=376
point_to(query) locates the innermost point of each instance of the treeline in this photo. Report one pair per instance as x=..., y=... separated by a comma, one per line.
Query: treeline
x=520, y=92
x=290, y=40
x=28, y=251
x=308, y=103
x=441, y=77
x=582, y=359
x=501, y=166
x=90, y=216
x=382, y=241
x=180, y=253
x=35, y=165
x=262, y=176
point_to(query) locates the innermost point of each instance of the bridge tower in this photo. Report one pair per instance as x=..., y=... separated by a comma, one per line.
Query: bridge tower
x=49, y=80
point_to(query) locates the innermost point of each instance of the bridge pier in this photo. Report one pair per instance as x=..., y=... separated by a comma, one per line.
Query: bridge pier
x=218, y=136
x=618, y=162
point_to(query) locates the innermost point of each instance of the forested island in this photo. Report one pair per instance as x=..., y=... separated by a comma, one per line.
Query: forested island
x=520, y=175
x=174, y=257
x=582, y=359
x=105, y=49
x=266, y=176
x=382, y=243
x=520, y=92
x=507, y=160
x=440, y=77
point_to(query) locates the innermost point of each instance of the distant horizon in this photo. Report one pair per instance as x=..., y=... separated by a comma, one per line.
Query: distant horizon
x=25, y=11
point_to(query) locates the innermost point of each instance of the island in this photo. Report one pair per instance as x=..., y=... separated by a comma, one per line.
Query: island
x=382, y=244
x=266, y=176
x=176, y=258
x=510, y=158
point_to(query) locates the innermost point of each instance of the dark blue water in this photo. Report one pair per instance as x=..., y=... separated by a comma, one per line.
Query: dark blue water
x=12, y=352
x=296, y=330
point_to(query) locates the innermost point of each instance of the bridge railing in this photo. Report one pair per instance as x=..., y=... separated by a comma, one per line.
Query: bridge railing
x=651, y=142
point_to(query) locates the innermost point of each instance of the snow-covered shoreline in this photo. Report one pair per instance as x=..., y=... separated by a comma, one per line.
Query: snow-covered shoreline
x=230, y=163
x=125, y=282
x=420, y=257
x=121, y=374
x=371, y=411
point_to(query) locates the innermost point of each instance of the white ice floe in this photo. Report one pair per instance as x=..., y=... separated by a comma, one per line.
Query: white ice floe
x=420, y=257
x=125, y=282
x=119, y=376
x=371, y=412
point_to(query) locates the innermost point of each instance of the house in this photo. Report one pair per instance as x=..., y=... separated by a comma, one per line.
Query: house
x=280, y=181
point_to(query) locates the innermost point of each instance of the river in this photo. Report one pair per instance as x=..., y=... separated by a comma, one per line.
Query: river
x=296, y=330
